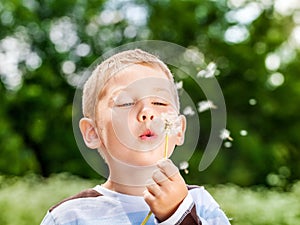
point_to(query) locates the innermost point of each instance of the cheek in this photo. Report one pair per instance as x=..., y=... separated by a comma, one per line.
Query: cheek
x=123, y=127
x=121, y=120
x=105, y=127
x=172, y=141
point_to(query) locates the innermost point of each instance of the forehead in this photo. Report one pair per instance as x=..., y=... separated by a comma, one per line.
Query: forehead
x=137, y=78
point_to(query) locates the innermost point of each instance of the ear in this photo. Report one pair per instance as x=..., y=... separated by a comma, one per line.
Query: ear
x=89, y=133
x=180, y=135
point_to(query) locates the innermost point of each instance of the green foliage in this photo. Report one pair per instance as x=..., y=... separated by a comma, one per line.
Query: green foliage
x=270, y=122
x=37, y=38
x=24, y=201
x=259, y=205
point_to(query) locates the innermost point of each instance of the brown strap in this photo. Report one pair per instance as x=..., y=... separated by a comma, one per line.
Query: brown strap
x=190, y=187
x=190, y=218
x=89, y=193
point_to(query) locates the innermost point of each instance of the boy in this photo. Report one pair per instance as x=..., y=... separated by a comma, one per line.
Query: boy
x=126, y=103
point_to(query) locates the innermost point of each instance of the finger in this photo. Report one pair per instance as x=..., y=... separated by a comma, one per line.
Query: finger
x=168, y=168
x=153, y=188
x=148, y=197
x=159, y=177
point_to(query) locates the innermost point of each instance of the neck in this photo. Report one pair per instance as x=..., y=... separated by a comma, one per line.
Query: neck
x=124, y=189
x=128, y=179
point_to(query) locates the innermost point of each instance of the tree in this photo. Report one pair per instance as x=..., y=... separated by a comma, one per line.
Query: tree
x=45, y=46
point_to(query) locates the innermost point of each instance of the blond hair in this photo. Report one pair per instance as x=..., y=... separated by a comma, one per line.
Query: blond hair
x=109, y=67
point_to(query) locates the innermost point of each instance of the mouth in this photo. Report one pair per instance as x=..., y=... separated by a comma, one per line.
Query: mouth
x=147, y=135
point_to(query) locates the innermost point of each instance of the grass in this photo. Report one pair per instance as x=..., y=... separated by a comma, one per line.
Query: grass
x=259, y=206
x=25, y=200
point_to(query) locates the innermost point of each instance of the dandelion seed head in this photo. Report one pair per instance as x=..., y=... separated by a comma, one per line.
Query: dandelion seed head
x=168, y=123
x=172, y=123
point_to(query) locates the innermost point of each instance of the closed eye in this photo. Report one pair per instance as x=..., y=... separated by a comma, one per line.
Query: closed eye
x=127, y=104
x=159, y=103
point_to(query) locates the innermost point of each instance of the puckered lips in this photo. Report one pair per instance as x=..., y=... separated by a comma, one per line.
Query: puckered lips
x=147, y=135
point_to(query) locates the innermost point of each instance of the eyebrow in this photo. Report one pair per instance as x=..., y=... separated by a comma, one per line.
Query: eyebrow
x=161, y=90
x=117, y=91
x=114, y=94
x=126, y=89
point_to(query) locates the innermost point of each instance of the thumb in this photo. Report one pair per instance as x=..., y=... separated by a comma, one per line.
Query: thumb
x=167, y=167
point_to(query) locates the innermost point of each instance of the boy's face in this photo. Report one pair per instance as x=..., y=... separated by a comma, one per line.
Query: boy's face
x=127, y=112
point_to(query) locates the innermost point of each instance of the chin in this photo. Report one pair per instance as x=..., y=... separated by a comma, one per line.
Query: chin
x=145, y=160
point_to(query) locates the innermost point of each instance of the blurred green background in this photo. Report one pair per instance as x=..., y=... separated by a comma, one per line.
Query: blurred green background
x=45, y=47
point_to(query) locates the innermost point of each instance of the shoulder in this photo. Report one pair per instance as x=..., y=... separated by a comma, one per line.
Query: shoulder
x=206, y=206
x=200, y=194
x=86, y=206
x=88, y=193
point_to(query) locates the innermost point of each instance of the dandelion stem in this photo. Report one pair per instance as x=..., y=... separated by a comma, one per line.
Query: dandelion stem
x=165, y=157
x=230, y=138
x=166, y=146
x=146, y=218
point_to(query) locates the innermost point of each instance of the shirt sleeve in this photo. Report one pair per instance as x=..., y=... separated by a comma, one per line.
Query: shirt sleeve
x=208, y=210
x=185, y=214
x=48, y=220
x=198, y=208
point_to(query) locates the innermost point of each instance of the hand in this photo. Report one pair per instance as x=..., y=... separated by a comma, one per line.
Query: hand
x=166, y=191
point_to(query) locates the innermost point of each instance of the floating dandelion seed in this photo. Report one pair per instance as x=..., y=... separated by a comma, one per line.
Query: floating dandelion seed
x=227, y=144
x=225, y=134
x=252, y=101
x=179, y=85
x=188, y=111
x=209, y=71
x=184, y=165
x=243, y=133
x=206, y=105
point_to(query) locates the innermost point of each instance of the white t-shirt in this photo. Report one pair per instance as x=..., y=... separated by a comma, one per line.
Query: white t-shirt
x=102, y=206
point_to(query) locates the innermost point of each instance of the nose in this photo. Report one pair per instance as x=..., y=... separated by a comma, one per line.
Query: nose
x=145, y=114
